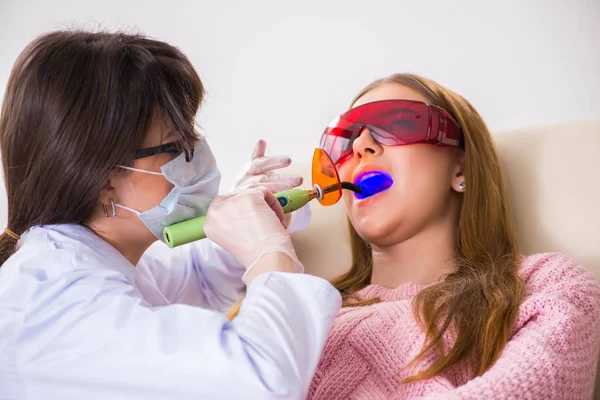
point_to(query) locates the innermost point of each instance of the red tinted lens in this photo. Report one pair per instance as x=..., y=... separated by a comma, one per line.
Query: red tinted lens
x=337, y=139
x=393, y=122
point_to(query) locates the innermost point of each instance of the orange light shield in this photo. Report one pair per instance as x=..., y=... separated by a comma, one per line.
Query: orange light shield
x=326, y=176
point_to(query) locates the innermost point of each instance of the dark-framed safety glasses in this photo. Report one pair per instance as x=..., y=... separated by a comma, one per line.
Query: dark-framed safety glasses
x=172, y=147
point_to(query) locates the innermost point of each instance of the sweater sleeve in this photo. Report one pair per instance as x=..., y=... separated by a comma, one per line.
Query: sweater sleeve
x=553, y=353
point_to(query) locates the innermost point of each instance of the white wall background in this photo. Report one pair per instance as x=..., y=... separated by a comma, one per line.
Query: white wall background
x=282, y=70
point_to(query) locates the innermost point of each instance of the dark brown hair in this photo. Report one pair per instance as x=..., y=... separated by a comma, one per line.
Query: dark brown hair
x=77, y=104
x=482, y=298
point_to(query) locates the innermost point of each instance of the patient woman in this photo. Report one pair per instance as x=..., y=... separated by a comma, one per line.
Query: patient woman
x=439, y=301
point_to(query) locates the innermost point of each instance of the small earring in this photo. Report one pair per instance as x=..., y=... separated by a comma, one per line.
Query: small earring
x=462, y=186
x=113, y=214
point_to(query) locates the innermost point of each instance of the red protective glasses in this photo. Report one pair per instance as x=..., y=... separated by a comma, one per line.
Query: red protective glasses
x=391, y=123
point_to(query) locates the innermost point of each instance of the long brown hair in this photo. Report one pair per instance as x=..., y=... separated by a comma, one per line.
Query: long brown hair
x=77, y=104
x=481, y=299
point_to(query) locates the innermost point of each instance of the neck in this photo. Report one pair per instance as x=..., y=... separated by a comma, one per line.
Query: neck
x=423, y=258
x=131, y=249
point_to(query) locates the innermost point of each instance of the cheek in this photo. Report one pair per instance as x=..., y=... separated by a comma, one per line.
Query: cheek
x=423, y=191
x=421, y=165
x=421, y=184
x=146, y=192
x=158, y=189
x=167, y=187
x=149, y=190
x=346, y=170
x=420, y=194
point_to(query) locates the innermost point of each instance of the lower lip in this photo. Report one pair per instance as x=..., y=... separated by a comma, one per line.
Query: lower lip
x=369, y=200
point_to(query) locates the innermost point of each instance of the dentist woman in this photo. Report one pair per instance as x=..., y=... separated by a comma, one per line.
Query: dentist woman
x=99, y=154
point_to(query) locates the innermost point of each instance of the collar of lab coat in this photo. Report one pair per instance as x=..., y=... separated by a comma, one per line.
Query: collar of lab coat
x=86, y=250
x=79, y=237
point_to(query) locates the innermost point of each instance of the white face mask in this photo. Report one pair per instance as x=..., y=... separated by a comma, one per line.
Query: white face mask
x=196, y=185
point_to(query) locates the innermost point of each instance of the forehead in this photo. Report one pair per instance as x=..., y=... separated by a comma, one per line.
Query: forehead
x=390, y=91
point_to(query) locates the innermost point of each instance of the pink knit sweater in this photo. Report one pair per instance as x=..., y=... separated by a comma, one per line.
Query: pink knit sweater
x=552, y=352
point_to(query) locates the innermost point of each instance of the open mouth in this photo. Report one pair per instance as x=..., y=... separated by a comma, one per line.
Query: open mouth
x=371, y=183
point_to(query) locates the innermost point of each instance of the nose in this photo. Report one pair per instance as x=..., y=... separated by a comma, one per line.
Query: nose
x=365, y=144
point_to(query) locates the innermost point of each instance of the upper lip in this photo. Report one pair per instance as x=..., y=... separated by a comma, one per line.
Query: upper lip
x=361, y=171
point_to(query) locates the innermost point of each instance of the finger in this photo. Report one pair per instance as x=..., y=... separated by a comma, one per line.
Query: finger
x=273, y=203
x=276, y=187
x=259, y=150
x=286, y=220
x=292, y=179
x=267, y=164
x=275, y=184
x=251, y=181
x=271, y=180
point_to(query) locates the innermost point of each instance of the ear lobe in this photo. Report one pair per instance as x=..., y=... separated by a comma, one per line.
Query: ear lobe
x=458, y=180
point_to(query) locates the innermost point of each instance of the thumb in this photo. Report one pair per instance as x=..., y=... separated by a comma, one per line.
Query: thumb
x=272, y=202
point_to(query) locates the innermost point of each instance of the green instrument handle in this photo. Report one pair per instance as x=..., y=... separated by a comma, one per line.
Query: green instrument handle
x=193, y=229
x=293, y=199
x=184, y=232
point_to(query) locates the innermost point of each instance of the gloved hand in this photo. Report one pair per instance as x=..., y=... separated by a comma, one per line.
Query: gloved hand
x=249, y=224
x=259, y=172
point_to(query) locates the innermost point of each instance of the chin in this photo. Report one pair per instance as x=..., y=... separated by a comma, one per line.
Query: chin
x=376, y=233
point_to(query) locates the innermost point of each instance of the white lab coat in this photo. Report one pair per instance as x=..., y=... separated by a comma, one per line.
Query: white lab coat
x=78, y=321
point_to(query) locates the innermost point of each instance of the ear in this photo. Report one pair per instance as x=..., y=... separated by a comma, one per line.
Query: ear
x=458, y=183
x=107, y=195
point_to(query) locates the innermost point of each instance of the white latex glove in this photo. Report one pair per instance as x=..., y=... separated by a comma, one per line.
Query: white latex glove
x=259, y=172
x=249, y=224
